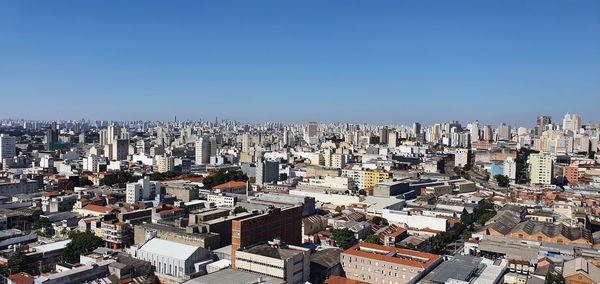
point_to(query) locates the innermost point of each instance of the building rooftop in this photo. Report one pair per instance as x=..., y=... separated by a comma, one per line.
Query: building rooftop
x=234, y=276
x=327, y=258
x=169, y=248
x=394, y=255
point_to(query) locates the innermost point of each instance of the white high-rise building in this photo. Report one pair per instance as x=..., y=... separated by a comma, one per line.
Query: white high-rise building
x=143, y=189
x=510, y=168
x=8, y=148
x=504, y=132
x=91, y=163
x=165, y=163
x=205, y=148
x=462, y=157
x=540, y=169
x=393, y=139
x=568, y=122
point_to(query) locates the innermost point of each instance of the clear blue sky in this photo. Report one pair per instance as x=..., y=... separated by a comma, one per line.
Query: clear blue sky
x=356, y=61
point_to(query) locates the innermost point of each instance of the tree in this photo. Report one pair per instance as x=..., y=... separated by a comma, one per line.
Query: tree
x=223, y=176
x=379, y=221
x=555, y=278
x=85, y=182
x=441, y=240
x=344, y=238
x=81, y=242
x=373, y=239
x=15, y=264
x=239, y=209
x=502, y=180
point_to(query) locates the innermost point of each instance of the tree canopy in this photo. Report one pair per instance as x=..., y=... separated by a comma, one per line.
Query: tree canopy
x=373, y=239
x=502, y=180
x=344, y=238
x=81, y=242
x=223, y=176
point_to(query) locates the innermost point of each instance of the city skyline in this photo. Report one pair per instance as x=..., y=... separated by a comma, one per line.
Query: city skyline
x=386, y=62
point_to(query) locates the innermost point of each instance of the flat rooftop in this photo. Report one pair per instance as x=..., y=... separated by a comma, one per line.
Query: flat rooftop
x=234, y=276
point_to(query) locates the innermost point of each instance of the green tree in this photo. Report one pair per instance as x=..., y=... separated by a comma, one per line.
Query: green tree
x=441, y=240
x=502, y=180
x=380, y=221
x=344, y=238
x=81, y=242
x=555, y=278
x=223, y=176
x=239, y=209
x=373, y=239
x=85, y=182
x=15, y=264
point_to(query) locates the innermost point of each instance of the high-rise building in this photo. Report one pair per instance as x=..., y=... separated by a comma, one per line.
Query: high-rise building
x=540, y=171
x=7, y=147
x=542, y=121
x=165, y=163
x=510, y=168
x=113, y=133
x=416, y=129
x=266, y=172
x=504, y=132
x=383, y=135
x=120, y=149
x=205, y=148
x=51, y=136
x=393, y=139
x=462, y=157
x=284, y=224
x=488, y=135
x=311, y=135
x=576, y=122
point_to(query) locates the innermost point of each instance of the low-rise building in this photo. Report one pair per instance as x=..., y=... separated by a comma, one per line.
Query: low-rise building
x=381, y=264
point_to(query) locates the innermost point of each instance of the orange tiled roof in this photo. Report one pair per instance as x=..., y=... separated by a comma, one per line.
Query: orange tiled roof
x=334, y=279
x=230, y=184
x=21, y=278
x=96, y=208
x=431, y=258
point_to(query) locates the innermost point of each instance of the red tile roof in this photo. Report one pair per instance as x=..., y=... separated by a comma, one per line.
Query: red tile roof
x=96, y=208
x=429, y=258
x=230, y=184
x=333, y=279
x=21, y=278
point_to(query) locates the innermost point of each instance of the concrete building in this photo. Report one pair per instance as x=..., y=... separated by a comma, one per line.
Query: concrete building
x=266, y=172
x=462, y=157
x=540, y=169
x=7, y=147
x=205, y=148
x=143, y=189
x=172, y=259
x=285, y=224
x=276, y=259
x=381, y=264
x=510, y=168
x=221, y=200
x=120, y=149
x=165, y=163
x=391, y=188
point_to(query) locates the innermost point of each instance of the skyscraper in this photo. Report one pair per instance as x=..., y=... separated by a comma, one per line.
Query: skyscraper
x=542, y=121
x=416, y=129
x=504, y=132
x=383, y=135
x=205, y=147
x=311, y=133
x=7, y=147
